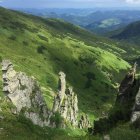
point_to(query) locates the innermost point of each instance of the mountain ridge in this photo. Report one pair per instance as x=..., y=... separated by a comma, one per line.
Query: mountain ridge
x=129, y=33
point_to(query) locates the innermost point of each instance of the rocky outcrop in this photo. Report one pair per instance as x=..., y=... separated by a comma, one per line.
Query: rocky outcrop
x=126, y=86
x=66, y=102
x=129, y=94
x=61, y=92
x=122, y=110
x=24, y=92
x=84, y=122
x=136, y=109
x=62, y=86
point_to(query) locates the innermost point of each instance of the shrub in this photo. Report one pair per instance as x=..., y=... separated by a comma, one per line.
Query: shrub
x=12, y=37
x=86, y=59
x=43, y=38
x=57, y=119
x=136, y=124
x=25, y=43
x=41, y=49
x=90, y=76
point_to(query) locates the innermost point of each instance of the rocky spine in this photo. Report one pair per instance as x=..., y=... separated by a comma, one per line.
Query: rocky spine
x=66, y=102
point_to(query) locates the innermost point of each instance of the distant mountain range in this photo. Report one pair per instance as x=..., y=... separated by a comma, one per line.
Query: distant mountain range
x=98, y=21
x=130, y=33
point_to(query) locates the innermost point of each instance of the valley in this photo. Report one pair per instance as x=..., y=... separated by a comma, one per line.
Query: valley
x=94, y=66
x=97, y=20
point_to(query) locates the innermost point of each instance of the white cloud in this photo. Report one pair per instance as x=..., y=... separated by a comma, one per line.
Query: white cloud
x=133, y=1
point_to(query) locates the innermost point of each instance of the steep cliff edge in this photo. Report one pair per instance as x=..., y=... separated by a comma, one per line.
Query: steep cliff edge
x=66, y=102
x=129, y=95
x=24, y=92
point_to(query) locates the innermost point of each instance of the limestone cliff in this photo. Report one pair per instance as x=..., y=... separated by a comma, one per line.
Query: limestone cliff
x=84, y=122
x=126, y=86
x=127, y=106
x=136, y=109
x=129, y=93
x=66, y=102
x=24, y=92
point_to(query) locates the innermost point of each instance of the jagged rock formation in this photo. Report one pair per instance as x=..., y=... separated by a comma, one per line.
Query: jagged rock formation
x=66, y=102
x=129, y=91
x=61, y=92
x=84, y=122
x=127, y=106
x=136, y=109
x=129, y=94
x=24, y=92
x=126, y=86
x=62, y=86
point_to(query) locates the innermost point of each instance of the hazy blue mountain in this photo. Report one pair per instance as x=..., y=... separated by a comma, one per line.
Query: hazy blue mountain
x=105, y=21
x=130, y=33
x=96, y=20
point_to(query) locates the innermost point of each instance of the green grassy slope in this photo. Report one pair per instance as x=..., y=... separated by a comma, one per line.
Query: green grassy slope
x=42, y=48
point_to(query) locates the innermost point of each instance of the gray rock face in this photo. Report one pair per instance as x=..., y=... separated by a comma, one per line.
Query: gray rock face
x=62, y=86
x=24, y=92
x=106, y=137
x=66, y=102
x=126, y=86
x=84, y=122
x=136, y=109
x=128, y=91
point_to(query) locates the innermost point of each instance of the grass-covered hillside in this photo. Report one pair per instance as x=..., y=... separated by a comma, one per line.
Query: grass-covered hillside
x=42, y=48
x=105, y=25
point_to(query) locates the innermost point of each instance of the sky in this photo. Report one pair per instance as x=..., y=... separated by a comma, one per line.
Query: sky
x=68, y=3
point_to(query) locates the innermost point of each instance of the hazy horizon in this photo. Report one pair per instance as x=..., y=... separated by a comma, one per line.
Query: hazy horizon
x=76, y=4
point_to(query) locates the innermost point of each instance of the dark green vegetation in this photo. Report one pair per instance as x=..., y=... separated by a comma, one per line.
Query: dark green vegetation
x=130, y=33
x=42, y=48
